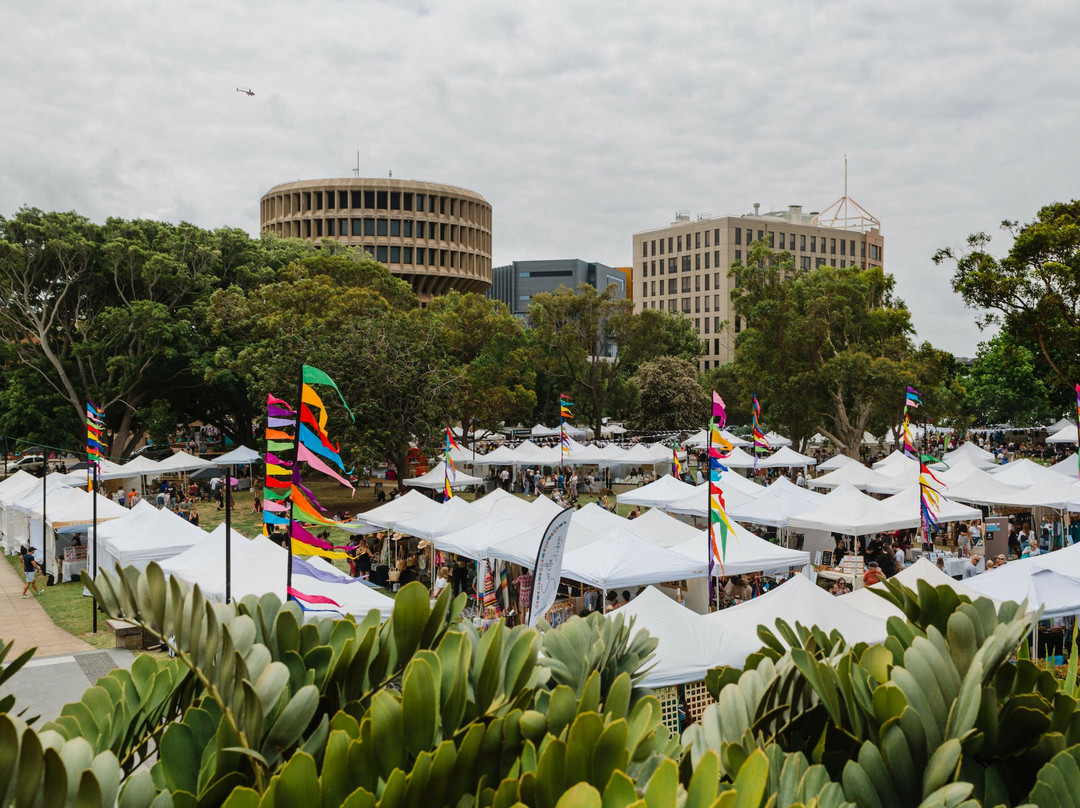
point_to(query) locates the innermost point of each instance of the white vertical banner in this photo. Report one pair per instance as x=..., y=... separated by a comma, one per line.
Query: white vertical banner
x=548, y=570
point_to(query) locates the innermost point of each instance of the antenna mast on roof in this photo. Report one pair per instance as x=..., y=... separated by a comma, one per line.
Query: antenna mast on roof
x=847, y=214
x=356, y=171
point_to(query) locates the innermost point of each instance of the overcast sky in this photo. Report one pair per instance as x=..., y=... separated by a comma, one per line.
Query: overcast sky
x=580, y=122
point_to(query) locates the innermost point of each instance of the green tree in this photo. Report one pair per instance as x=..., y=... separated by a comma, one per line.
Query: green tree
x=1034, y=291
x=1003, y=386
x=594, y=341
x=824, y=350
x=669, y=396
x=494, y=357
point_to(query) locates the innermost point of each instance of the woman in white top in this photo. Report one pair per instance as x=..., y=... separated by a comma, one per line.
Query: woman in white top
x=441, y=581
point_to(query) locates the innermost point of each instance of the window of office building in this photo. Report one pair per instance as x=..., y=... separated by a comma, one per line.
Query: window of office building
x=686, y=283
x=804, y=262
x=716, y=345
x=671, y=265
x=697, y=324
x=672, y=286
x=832, y=247
x=654, y=288
x=738, y=256
x=407, y=228
x=783, y=241
x=716, y=302
x=843, y=263
x=686, y=263
x=697, y=240
x=697, y=305
x=406, y=203
x=380, y=255
x=843, y=247
x=673, y=304
x=761, y=235
x=395, y=227
x=381, y=227
x=852, y=253
x=707, y=234
x=653, y=272
x=331, y=227
x=653, y=247
x=644, y=288
x=706, y=324
x=738, y=235
x=707, y=278
x=802, y=243
x=707, y=260
x=678, y=243
x=697, y=283
x=670, y=244
x=738, y=324
x=819, y=262
x=395, y=255
x=813, y=243
x=661, y=246
x=357, y=227
x=832, y=262
x=406, y=255
x=686, y=305
x=716, y=258
x=644, y=249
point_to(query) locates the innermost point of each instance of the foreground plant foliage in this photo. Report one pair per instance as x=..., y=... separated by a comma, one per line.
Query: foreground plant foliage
x=261, y=708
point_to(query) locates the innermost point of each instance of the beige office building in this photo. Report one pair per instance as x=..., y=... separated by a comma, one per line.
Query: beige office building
x=437, y=237
x=684, y=267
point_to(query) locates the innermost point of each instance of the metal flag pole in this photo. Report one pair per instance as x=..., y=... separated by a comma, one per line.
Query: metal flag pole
x=228, y=535
x=93, y=570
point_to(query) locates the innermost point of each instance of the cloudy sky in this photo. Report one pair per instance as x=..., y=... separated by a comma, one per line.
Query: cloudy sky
x=580, y=122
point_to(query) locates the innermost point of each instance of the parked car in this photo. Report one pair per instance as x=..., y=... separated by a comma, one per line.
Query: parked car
x=28, y=463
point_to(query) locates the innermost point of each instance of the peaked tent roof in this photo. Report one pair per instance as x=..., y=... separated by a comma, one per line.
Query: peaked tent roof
x=141, y=466
x=745, y=553
x=1027, y=579
x=72, y=507
x=922, y=570
x=435, y=479
x=182, y=461
x=1065, y=435
x=499, y=456
x=1058, y=425
x=908, y=502
x=411, y=504
x=775, y=439
x=1054, y=492
x=738, y=459
x=969, y=451
x=661, y=529
x=1023, y=472
x=837, y=461
x=780, y=502
x=453, y=515
x=1068, y=466
x=981, y=488
x=856, y=474
x=240, y=456
x=700, y=438
x=853, y=513
x=163, y=536
x=894, y=462
x=663, y=491
x=799, y=600
x=473, y=541
x=786, y=457
x=595, y=518
x=620, y=559
x=541, y=431
x=735, y=494
x=15, y=486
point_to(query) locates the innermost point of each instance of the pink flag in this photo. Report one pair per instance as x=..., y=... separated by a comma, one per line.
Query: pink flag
x=311, y=598
x=718, y=410
x=313, y=460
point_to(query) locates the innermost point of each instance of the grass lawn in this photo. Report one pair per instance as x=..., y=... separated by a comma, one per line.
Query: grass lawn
x=66, y=606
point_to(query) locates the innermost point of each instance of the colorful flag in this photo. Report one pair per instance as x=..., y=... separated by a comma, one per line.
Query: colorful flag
x=761, y=443
x=912, y=400
x=719, y=412
x=95, y=427
x=718, y=518
x=547, y=571
x=449, y=470
x=676, y=465
x=565, y=403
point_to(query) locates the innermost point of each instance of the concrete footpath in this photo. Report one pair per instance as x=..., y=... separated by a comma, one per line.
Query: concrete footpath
x=63, y=666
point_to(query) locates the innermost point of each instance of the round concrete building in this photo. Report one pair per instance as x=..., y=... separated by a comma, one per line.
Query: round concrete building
x=437, y=237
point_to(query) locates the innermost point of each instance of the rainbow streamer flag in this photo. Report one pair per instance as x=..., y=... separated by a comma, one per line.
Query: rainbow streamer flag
x=761, y=443
x=913, y=399
x=676, y=466
x=95, y=426
x=719, y=522
x=565, y=403
x=449, y=469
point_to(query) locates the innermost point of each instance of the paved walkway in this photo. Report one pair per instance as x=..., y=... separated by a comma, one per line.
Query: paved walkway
x=25, y=622
x=46, y=683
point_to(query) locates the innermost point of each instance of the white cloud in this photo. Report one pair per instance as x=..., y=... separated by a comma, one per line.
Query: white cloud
x=580, y=122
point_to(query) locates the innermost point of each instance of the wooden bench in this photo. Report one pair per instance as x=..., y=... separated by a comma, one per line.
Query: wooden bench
x=128, y=635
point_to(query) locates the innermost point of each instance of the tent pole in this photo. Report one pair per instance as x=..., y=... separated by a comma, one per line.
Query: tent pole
x=228, y=535
x=93, y=571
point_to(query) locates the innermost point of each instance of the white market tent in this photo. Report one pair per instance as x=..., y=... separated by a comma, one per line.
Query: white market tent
x=777, y=505
x=136, y=519
x=594, y=518
x=972, y=453
x=738, y=459
x=12, y=489
x=981, y=488
x=700, y=438
x=523, y=547
x=182, y=461
x=896, y=462
x=453, y=515
x=405, y=507
x=240, y=456
x=499, y=456
x=69, y=508
x=855, y=474
x=922, y=570
x=835, y=462
x=776, y=440
x=1056, y=594
x=1064, y=435
x=621, y=559
x=1058, y=425
x=1023, y=472
x=745, y=553
x=657, y=494
x=18, y=527
x=435, y=479
x=473, y=541
x=853, y=513
x=141, y=467
x=909, y=501
x=786, y=457
x=1068, y=466
x=686, y=649
x=799, y=600
x=660, y=529
x=1057, y=492
x=210, y=548
x=541, y=431
x=162, y=536
x=697, y=504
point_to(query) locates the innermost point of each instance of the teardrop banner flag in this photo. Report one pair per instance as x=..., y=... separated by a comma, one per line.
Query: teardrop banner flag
x=548, y=569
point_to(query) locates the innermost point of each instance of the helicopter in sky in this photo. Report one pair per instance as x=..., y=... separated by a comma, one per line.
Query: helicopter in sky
x=245, y=90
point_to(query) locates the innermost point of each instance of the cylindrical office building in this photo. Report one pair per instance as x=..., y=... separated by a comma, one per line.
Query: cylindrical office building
x=437, y=237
